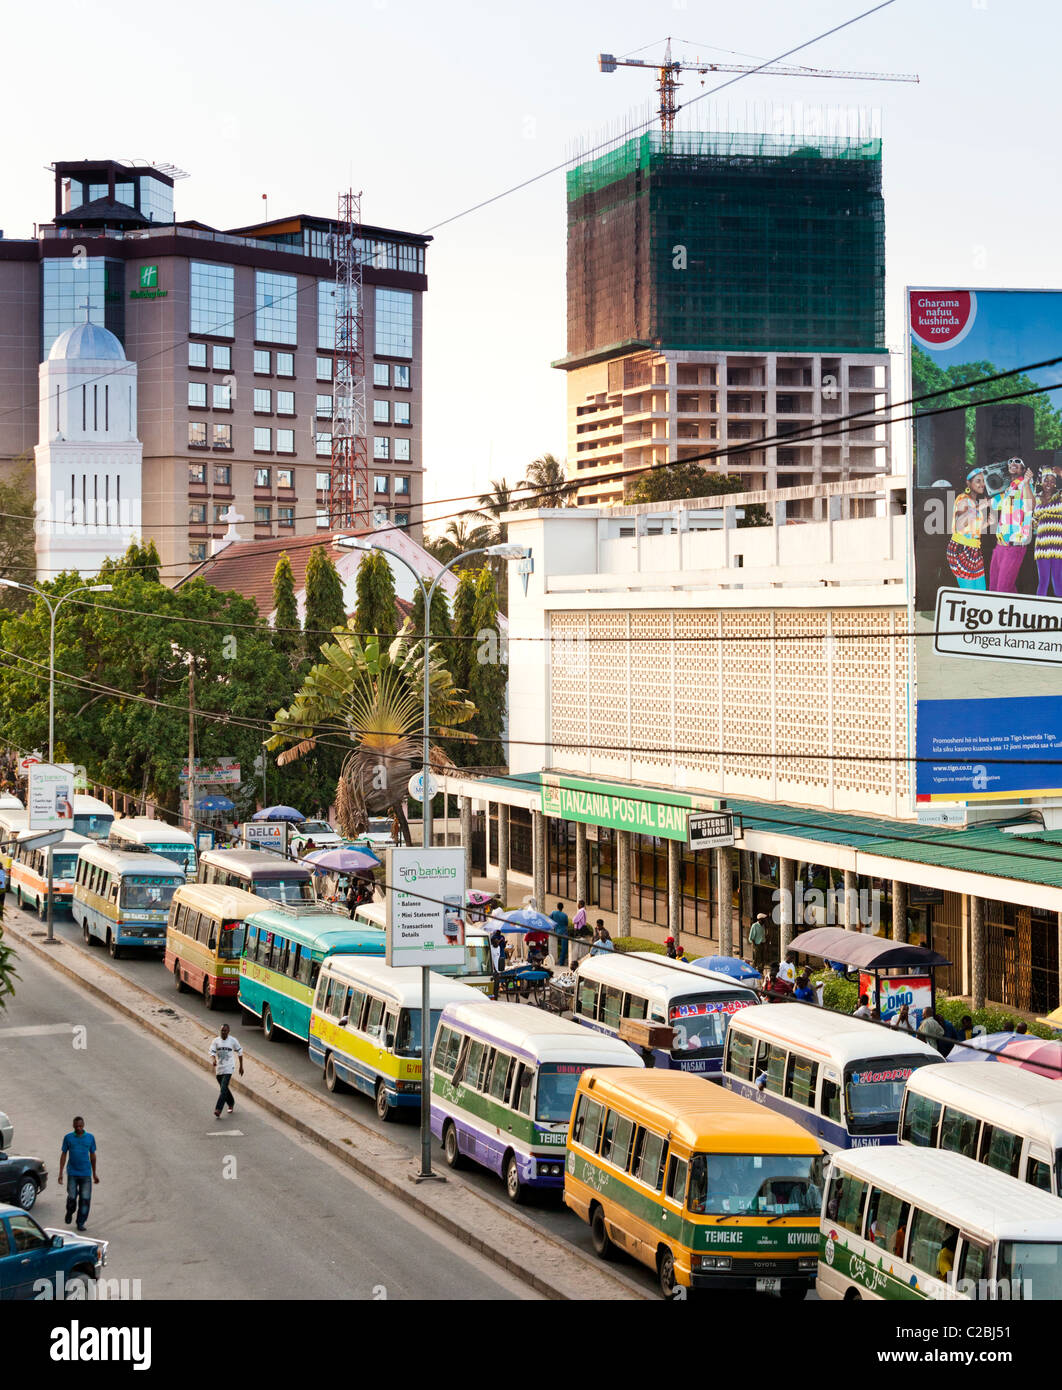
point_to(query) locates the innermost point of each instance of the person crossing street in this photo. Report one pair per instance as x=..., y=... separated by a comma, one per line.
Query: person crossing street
x=225, y=1051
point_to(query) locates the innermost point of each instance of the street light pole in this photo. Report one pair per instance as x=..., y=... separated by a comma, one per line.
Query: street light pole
x=507, y=552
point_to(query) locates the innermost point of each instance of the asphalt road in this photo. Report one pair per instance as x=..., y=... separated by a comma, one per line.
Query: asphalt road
x=196, y=1208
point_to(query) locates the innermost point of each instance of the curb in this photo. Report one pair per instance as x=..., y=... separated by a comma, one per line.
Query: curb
x=546, y=1247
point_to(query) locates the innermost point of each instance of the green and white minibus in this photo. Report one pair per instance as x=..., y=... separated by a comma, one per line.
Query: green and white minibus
x=1001, y=1116
x=29, y=872
x=906, y=1223
x=503, y=1079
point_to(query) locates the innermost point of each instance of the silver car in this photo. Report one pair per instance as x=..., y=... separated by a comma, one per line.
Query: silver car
x=7, y=1133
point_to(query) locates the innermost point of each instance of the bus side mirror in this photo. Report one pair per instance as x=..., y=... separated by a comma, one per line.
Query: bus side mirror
x=344, y=1020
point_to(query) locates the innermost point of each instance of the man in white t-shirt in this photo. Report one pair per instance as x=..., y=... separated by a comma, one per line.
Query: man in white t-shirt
x=225, y=1052
x=787, y=969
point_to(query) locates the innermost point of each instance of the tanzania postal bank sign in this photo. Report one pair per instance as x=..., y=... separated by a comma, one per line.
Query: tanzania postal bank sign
x=425, y=899
x=641, y=810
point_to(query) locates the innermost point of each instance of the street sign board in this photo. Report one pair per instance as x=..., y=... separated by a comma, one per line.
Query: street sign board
x=936, y=814
x=265, y=834
x=50, y=800
x=425, y=906
x=710, y=829
x=28, y=761
x=212, y=772
x=416, y=786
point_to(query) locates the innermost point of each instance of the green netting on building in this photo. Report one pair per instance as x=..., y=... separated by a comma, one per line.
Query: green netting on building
x=728, y=241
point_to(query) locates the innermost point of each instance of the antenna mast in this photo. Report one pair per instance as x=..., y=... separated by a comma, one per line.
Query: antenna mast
x=349, y=487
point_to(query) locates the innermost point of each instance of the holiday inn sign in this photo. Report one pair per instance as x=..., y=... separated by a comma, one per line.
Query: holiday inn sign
x=643, y=810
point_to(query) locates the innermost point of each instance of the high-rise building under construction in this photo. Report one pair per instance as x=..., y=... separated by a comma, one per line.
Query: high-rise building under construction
x=725, y=290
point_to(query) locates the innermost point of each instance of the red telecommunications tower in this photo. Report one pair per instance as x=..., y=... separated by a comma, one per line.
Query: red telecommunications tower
x=349, y=501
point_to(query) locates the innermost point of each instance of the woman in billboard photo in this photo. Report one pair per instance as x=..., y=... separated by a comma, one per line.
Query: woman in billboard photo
x=1014, y=524
x=969, y=520
x=1047, y=530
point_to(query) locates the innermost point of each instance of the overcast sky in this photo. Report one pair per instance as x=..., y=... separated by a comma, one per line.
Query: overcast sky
x=429, y=108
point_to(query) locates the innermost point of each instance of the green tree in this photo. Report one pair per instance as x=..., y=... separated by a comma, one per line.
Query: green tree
x=441, y=626
x=548, y=482
x=376, y=610
x=464, y=610
x=287, y=637
x=8, y=973
x=17, y=556
x=488, y=675
x=681, y=481
x=324, y=609
x=492, y=507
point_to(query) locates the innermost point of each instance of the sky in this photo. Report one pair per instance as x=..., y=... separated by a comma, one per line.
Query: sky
x=429, y=109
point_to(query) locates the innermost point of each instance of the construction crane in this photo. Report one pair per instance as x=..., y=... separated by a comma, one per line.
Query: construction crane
x=667, y=80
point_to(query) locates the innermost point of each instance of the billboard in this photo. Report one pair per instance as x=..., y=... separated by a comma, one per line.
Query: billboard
x=986, y=525
x=425, y=906
x=50, y=798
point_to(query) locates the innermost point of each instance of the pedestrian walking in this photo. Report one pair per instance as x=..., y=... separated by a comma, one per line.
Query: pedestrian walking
x=561, y=919
x=581, y=933
x=758, y=939
x=225, y=1052
x=79, y=1147
x=3, y=888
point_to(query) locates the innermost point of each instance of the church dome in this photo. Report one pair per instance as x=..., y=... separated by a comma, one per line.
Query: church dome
x=87, y=340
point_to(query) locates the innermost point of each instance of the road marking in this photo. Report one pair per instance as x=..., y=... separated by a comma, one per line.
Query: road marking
x=223, y=1132
x=35, y=1030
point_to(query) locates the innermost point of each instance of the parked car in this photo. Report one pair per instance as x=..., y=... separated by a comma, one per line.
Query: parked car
x=33, y=1256
x=7, y=1132
x=319, y=831
x=22, y=1179
x=377, y=836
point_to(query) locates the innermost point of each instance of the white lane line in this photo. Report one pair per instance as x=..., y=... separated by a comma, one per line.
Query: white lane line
x=222, y=1132
x=35, y=1030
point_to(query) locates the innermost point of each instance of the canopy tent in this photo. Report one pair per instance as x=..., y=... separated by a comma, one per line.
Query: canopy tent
x=874, y=955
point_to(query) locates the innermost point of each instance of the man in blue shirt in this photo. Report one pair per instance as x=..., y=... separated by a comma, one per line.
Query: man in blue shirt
x=80, y=1146
x=561, y=919
x=3, y=888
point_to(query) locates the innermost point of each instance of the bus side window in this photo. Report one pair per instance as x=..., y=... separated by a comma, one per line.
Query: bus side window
x=618, y=1142
x=801, y=1079
x=523, y=1088
x=500, y=1076
x=676, y=1179
x=888, y=1224
x=635, y=1007
x=293, y=961
x=1038, y=1174
x=390, y=1027
x=647, y=1164
x=849, y=1195
x=321, y=994
x=959, y=1132
x=374, y=1023
x=315, y=966
x=776, y=1064
x=303, y=975
x=611, y=1006
x=587, y=1127
x=762, y=1052
x=447, y=1046
x=932, y=1248
x=476, y=1065
x=461, y=1062
x=266, y=950
x=739, y=1050
x=830, y=1100
x=1001, y=1150
x=587, y=998
x=921, y=1118
x=355, y=1009
x=973, y=1264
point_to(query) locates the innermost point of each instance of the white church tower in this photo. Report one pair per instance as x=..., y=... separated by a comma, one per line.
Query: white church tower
x=89, y=460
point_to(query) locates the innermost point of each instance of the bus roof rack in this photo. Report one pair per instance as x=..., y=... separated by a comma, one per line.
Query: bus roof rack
x=303, y=909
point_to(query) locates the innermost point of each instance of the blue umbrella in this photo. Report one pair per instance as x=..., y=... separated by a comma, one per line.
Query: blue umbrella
x=215, y=803
x=524, y=919
x=278, y=813
x=728, y=965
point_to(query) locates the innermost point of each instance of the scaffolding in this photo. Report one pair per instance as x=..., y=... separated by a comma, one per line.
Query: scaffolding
x=349, y=502
x=729, y=241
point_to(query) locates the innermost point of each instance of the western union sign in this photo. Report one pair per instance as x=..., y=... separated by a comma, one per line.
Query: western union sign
x=643, y=810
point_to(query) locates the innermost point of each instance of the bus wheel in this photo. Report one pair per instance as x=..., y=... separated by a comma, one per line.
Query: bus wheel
x=665, y=1268
x=451, y=1148
x=182, y=988
x=853, y=1296
x=603, y=1247
x=331, y=1078
x=113, y=947
x=269, y=1029
x=383, y=1106
x=210, y=999
x=85, y=933
x=514, y=1188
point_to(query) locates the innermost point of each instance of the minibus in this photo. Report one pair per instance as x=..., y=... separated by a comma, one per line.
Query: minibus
x=284, y=947
x=141, y=832
x=123, y=898
x=911, y=1223
x=93, y=818
x=29, y=872
x=474, y=971
x=503, y=1078
x=840, y=1077
x=695, y=1003
x=1004, y=1117
x=365, y=1027
x=711, y=1190
x=258, y=871
x=12, y=820
x=204, y=939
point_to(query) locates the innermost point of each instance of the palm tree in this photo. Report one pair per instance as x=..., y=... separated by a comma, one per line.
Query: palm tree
x=493, y=505
x=549, y=483
x=371, y=694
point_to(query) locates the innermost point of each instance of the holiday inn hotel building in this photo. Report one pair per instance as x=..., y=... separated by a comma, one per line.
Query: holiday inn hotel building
x=233, y=336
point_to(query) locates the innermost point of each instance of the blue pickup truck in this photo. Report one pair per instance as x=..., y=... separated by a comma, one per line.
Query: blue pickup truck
x=40, y=1263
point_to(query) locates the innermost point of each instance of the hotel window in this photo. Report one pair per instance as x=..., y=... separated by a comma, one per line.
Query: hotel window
x=222, y=396
x=323, y=407
x=220, y=508
x=401, y=378
x=285, y=516
x=324, y=369
x=285, y=402
x=402, y=450
x=322, y=445
x=381, y=412
x=401, y=518
x=223, y=474
x=197, y=514
x=197, y=394
x=402, y=413
x=263, y=362
x=381, y=374
x=197, y=552
x=197, y=354
x=263, y=401
x=322, y=520
x=381, y=446
x=197, y=473
x=286, y=477
x=263, y=477
x=285, y=441
x=285, y=364
x=210, y=299
x=263, y=516
x=326, y=314
x=197, y=434
x=221, y=358
x=394, y=323
x=380, y=483
x=223, y=438
x=276, y=305
x=402, y=485
x=263, y=439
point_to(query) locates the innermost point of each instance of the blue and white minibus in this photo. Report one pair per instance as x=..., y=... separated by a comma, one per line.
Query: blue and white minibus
x=123, y=898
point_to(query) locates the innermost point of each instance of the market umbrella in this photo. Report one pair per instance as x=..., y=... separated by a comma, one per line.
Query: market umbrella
x=343, y=861
x=1040, y=1055
x=215, y=803
x=475, y=897
x=278, y=813
x=728, y=965
x=521, y=921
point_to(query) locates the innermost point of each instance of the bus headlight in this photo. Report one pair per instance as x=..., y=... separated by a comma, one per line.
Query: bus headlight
x=712, y=1262
x=409, y=1087
x=808, y=1264
x=550, y=1170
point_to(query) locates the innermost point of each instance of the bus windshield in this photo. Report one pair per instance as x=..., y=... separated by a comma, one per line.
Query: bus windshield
x=755, y=1184
x=180, y=854
x=1037, y=1264
x=230, y=947
x=557, y=1084
x=284, y=890
x=64, y=866
x=407, y=1040
x=874, y=1092
x=95, y=827
x=700, y=1023
x=148, y=892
